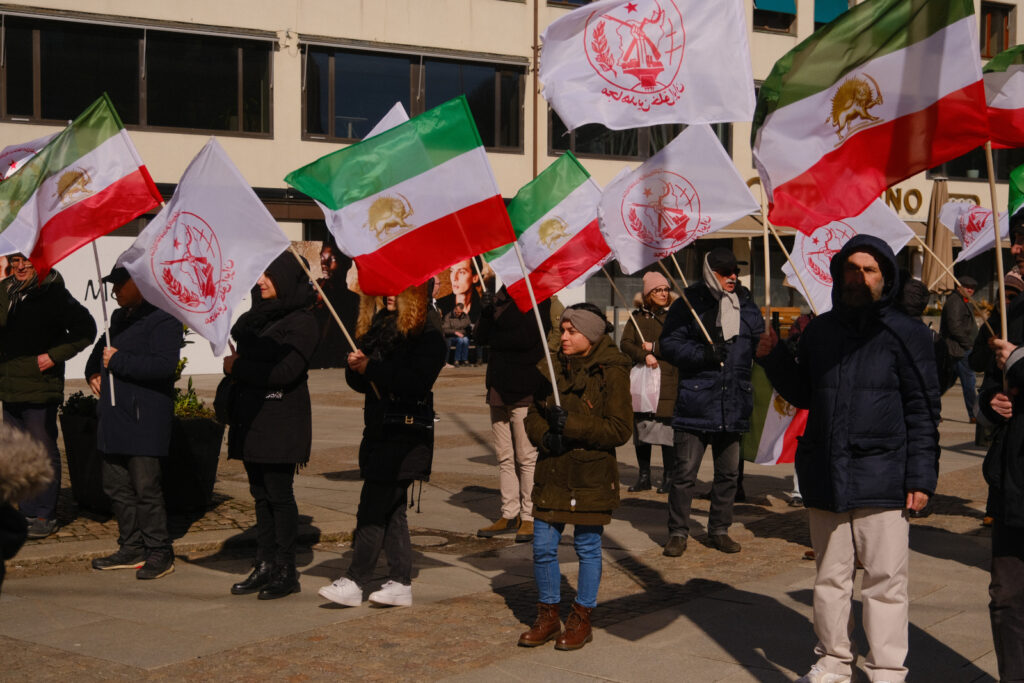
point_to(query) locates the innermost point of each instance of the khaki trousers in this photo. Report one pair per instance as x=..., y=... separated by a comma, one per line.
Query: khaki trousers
x=879, y=538
x=517, y=458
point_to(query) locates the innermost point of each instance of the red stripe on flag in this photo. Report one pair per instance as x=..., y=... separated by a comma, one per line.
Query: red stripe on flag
x=843, y=182
x=574, y=258
x=422, y=253
x=1007, y=127
x=93, y=217
x=794, y=429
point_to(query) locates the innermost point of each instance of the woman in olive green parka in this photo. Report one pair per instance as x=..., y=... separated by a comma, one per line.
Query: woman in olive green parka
x=576, y=480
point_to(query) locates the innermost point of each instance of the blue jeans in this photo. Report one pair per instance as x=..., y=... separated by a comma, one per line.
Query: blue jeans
x=547, y=574
x=968, y=381
x=461, y=345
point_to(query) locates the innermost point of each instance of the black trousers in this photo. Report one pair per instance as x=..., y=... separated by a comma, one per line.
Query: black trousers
x=1006, y=607
x=40, y=421
x=132, y=482
x=381, y=524
x=690, y=447
x=277, y=514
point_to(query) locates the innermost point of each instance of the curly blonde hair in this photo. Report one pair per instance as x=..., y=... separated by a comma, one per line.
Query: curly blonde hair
x=25, y=467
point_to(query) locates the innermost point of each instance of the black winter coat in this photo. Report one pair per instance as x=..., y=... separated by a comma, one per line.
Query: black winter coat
x=47, y=320
x=957, y=325
x=516, y=347
x=148, y=343
x=711, y=397
x=406, y=372
x=870, y=383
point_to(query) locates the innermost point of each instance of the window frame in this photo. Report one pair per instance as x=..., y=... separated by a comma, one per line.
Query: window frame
x=988, y=9
x=239, y=41
x=417, y=74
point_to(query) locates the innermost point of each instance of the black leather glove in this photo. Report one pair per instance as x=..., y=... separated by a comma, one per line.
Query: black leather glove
x=715, y=354
x=486, y=300
x=556, y=419
x=552, y=443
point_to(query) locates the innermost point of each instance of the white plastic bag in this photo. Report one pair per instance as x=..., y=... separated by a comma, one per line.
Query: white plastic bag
x=645, y=386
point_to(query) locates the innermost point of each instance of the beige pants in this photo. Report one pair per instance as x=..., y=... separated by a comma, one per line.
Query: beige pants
x=879, y=538
x=517, y=458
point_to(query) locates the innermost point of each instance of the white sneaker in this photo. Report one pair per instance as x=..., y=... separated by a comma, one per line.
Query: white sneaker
x=393, y=594
x=344, y=591
x=819, y=675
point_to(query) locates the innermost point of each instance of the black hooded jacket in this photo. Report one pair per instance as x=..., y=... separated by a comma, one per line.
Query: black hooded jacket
x=271, y=417
x=868, y=377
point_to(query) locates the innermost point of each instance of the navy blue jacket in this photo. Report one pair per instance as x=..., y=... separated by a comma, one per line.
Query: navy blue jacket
x=148, y=343
x=868, y=378
x=712, y=397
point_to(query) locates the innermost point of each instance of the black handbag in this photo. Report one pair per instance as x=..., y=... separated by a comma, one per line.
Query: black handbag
x=410, y=415
x=224, y=400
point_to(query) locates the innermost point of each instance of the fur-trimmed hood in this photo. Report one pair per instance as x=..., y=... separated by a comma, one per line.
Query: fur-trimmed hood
x=25, y=467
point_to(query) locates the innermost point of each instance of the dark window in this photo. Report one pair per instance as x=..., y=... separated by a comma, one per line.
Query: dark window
x=995, y=29
x=972, y=166
x=776, y=16
x=594, y=140
x=54, y=69
x=348, y=91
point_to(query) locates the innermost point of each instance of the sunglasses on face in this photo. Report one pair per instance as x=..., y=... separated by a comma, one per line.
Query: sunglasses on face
x=660, y=290
x=727, y=273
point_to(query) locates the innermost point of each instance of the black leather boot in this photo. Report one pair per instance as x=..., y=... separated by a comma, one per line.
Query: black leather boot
x=643, y=482
x=262, y=573
x=285, y=582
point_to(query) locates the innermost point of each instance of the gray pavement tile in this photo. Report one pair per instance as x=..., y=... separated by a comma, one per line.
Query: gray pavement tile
x=23, y=617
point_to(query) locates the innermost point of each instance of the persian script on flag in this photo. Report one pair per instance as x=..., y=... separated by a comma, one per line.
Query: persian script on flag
x=630, y=63
x=972, y=225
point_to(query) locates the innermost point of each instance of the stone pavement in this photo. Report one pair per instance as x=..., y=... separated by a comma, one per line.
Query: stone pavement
x=705, y=616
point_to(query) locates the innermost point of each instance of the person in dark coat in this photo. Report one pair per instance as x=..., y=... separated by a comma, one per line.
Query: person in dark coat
x=135, y=425
x=656, y=427
x=958, y=329
x=271, y=424
x=870, y=452
x=41, y=327
x=577, y=477
x=714, y=399
x=516, y=346
x=24, y=469
x=400, y=354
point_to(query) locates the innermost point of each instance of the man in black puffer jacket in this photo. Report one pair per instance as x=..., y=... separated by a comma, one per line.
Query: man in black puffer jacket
x=870, y=452
x=715, y=399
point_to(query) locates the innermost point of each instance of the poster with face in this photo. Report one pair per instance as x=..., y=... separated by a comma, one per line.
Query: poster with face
x=461, y=284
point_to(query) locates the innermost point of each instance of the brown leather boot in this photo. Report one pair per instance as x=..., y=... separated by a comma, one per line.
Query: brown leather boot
x=577, y=629
x=545, y=628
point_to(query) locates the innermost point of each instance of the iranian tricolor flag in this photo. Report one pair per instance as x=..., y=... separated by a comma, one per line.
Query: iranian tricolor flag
x=775, y=424
x=1004, y=93
x=1016, y=205
x=412, y=200
x=555, y=220
x=890, y=88
x=86, y=182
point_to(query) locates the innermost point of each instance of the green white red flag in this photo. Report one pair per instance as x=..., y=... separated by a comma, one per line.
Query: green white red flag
x=1004, y=94
x=555, y=221
x=1016, y=203
x=890, y=88
x=412, y=200
x=775, y=424
x=86, y=182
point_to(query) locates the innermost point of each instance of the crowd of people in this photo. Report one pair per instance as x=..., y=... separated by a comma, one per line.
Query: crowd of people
x=867, y=372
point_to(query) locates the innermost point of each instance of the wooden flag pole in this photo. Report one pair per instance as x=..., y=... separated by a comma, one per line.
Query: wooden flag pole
x=106, y=321
x=999, y=239
x=767, y=258
x=796, y=271
x=479, y=273
x=540, y=324
x=682, y=294
x=626, y=303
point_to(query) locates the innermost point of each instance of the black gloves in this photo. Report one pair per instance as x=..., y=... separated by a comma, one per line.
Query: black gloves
x=715, y=354
x=486, y=300
x=552, y=443
x=556, y=419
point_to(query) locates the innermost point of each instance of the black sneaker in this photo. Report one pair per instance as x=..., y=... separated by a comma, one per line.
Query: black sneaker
x=124, y=558
x=159, y=562
x=40, y=527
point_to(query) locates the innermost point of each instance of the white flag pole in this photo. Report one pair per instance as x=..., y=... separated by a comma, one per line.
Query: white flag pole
x=682, y=295
x=999, y=239
x=479, y=274
x=796, y=271
x=540, y=324
x=625, y=303
x=103, y=305
x=767, y=258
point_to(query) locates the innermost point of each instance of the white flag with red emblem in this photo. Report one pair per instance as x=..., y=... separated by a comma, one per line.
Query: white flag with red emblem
x=687, y=190
x=813, y=253
x=13, y=157
x=630, y=63
x=972, y=225
x=204, y=251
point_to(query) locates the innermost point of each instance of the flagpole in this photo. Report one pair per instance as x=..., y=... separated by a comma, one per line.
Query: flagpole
x=327, y=302
x=612, y=283
x=796, y=271
x=540, y=323
x=767, y=258
x=999, y=238
x=106, y=322
x=479, y=274
x=682, y=295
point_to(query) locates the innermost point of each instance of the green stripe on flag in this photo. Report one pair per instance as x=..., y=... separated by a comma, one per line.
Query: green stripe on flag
x=396, y=155
x=540, y=195
x=1005, y=59
x=865, y=33
x=1016, y=191
x=97, y=124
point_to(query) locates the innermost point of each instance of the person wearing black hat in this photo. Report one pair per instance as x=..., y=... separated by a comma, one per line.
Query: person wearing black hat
x=140, y=362
x=958, y=328
x=714, y=395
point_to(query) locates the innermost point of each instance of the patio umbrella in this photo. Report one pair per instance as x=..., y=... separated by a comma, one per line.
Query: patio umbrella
x=940, y=240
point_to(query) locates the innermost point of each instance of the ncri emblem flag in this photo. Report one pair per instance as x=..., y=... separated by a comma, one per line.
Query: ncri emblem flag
x=642, y=62
x=203, y=252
